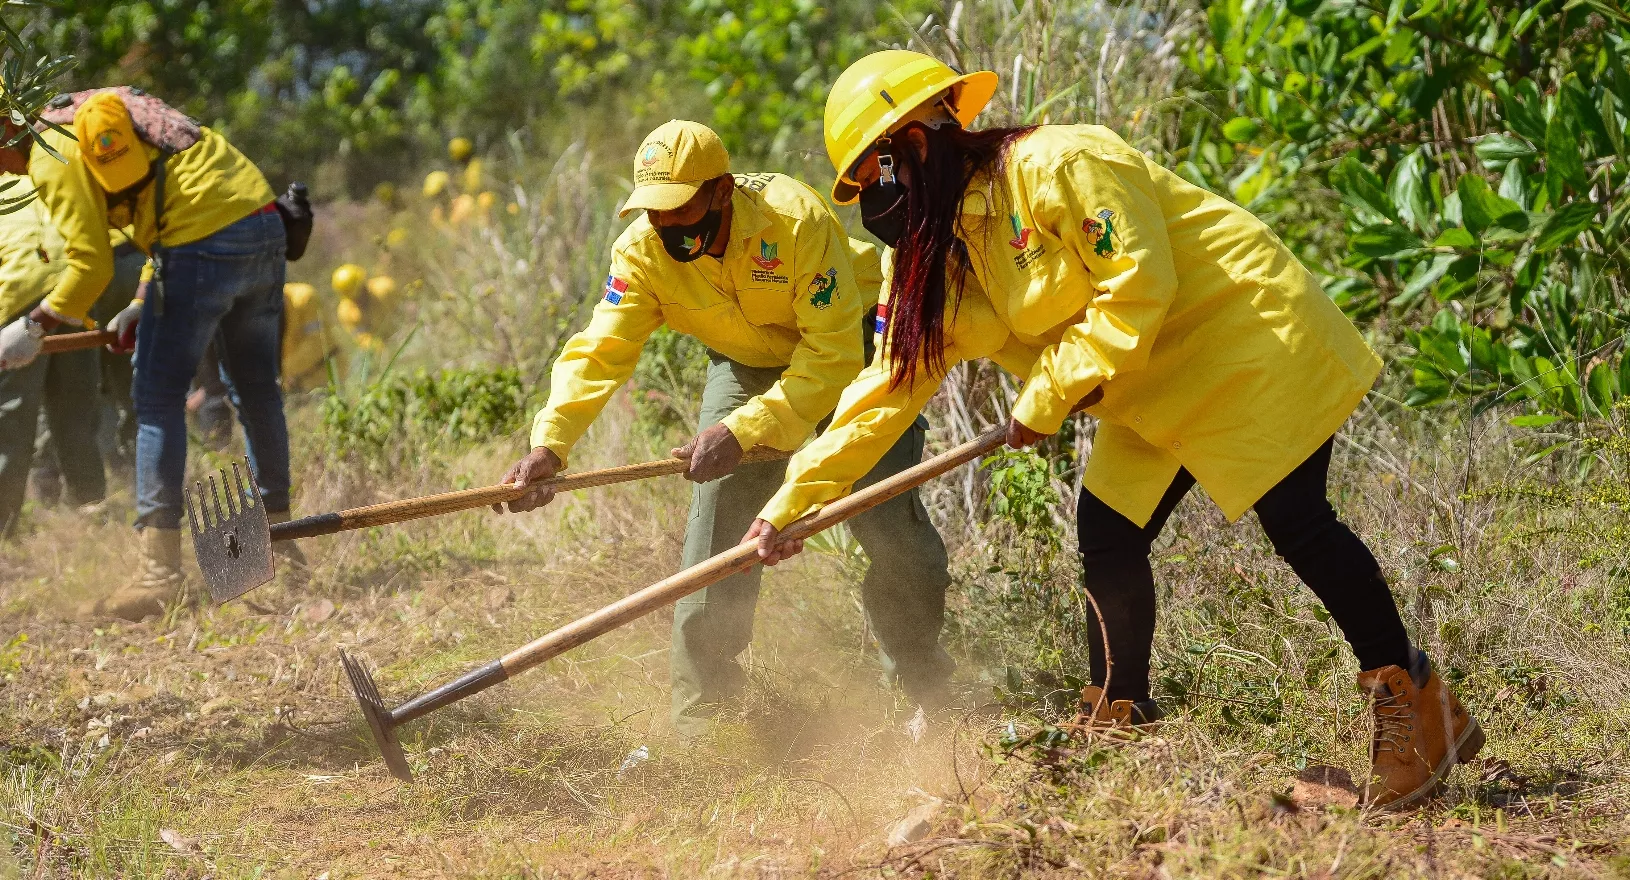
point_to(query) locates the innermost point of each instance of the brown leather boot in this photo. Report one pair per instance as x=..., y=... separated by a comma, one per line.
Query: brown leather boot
x=1421, y=730
x=1097, y=713
x=158, y=578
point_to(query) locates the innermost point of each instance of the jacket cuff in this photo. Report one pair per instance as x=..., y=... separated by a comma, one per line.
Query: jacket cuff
x=1041, y=407
x=785, y=508
x=751, y=423
x=80, y=321
x=545, y=434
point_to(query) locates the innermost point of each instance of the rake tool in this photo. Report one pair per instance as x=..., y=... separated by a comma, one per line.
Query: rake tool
x=383, y=721
x=57, y=343
x=232, y=537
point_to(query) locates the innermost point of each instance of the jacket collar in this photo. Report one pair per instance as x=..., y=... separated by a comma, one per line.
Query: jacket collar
x=746, y=220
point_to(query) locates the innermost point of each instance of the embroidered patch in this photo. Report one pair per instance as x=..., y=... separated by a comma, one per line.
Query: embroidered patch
x=822, y=288
x=767, y=259
x=615, y=288
x=882, y=321
x=1100, y=231
x=1021, y=234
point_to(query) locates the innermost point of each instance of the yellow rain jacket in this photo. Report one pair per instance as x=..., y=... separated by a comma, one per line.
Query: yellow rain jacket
x=30, y=256
x=1093, y=267
x=790, y=291
x=207, y=187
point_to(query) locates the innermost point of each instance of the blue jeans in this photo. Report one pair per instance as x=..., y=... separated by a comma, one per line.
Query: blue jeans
x=226, y=288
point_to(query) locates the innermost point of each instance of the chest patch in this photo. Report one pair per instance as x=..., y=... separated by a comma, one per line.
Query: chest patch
x=766, y=262
x=1026, y=243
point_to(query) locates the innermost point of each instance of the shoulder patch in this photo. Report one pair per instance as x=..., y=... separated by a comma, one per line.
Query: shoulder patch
x=1100, y=232
x=615, y=288
x=822, y=288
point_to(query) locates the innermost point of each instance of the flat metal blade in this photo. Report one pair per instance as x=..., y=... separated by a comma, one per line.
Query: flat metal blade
x=230, y=534
x=379, y=717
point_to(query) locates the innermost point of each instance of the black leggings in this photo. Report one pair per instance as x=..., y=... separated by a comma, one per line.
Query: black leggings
x=1305, y=532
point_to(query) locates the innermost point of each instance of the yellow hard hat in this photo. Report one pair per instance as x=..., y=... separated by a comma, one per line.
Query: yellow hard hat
x=347, y=279
x=459, y=149
x=880, y=92
x=107, y=140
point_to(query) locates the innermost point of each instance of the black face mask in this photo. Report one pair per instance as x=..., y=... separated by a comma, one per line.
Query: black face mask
x=883, y=205
x=690, y=242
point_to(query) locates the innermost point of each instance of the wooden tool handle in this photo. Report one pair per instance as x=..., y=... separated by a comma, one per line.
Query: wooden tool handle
x=740, y=557
x=711, y=571
x=470, y=499
x=57, y=343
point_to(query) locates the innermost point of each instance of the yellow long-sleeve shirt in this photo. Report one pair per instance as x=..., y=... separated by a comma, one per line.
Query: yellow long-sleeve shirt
x=207, y=187
x=789, y=292
x=30, y=255
x=1094, y=267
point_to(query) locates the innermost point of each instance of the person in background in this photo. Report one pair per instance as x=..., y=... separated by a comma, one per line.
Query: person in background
x=206, y=214
x=1207, y=352
x=61, y=390
x=758, y=268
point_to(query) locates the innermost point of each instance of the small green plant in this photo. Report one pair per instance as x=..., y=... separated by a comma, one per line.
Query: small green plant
x=404, y=416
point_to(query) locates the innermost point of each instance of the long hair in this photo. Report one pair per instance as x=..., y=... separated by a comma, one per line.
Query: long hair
x=929, y=258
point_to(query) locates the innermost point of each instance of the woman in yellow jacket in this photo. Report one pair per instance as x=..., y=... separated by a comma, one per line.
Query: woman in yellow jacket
x=1212, y=356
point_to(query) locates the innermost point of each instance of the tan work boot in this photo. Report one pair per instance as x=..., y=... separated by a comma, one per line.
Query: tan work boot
x=1421, y=730
x=1097, y=713
x=158, y=578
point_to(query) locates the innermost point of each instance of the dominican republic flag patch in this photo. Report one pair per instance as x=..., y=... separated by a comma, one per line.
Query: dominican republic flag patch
x=615, y=288
x=882, y=317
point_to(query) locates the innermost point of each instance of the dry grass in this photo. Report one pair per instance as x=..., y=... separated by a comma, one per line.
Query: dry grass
x=231, y=727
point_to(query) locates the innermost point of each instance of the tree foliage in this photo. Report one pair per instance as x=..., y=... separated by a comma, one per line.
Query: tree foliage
x=1477, y=149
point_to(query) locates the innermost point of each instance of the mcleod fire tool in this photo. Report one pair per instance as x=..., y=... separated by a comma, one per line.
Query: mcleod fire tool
x=232, y=537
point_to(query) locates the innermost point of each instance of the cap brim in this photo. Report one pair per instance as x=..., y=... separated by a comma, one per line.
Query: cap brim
x=659, y=197
x=120, y=174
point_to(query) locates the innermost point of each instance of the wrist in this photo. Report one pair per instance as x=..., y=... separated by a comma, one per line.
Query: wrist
x=41, y=319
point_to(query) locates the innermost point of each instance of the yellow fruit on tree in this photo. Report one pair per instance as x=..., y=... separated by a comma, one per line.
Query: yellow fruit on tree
x=472, y=176
x=381, y=287
x=386, y=193
x=396, y=237
x=435, y=183
x=347, y=279
x=349, y=314
x=486, y=200
x=462, y=210
x=460, y=149
x=296, y=294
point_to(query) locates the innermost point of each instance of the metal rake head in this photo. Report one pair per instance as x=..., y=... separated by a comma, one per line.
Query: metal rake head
x=230, y=533
x=379, y=717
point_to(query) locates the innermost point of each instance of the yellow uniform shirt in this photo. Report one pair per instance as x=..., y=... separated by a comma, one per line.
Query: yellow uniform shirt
x=207, y=187
x=306, y=343
x=789, y=292
x=1093, y=267
x=30, y=256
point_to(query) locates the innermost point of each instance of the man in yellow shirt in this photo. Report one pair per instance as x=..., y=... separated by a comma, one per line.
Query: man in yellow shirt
x=65, y=384
x=757, y=267
x=205, y=213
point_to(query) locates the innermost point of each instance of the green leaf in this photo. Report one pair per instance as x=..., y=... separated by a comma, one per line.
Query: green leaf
x=1481, y=208
x=1523, y=108
x=1426, y=275
x=1564, y=225
x=1385, y=241
x=1601, y=388
x=1240, y=129
x=1537, y=420
x=1365, y=48
x=1562, y=156
x=1361, y=187
x=1455, y=237
x=1502, y=148
x=1408, y=192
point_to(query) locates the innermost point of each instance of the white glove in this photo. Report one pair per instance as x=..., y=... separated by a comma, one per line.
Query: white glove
x=125, y=324
x=20, y=343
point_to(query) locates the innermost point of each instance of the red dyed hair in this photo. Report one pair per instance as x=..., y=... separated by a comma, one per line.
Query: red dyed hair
x=931, y=256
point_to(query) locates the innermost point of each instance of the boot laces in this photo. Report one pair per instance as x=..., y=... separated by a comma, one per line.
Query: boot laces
x=1393, y=722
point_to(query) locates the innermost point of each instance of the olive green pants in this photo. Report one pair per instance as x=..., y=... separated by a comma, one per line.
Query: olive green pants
x=903, y=591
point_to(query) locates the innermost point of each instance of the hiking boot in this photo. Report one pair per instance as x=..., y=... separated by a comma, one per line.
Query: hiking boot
x=1421, y=730
x=1097, y=713
x=158, y=578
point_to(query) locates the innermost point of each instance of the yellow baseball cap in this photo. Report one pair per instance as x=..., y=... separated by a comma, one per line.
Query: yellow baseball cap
x=107, y=139
x=673, y=163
